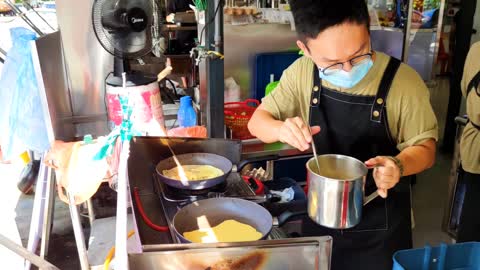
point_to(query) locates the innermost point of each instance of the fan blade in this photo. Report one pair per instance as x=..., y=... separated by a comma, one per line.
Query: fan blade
x=124, y=27
x=115, y=20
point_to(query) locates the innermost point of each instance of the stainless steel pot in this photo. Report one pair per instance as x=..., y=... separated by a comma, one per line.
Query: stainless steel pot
x=336, y=192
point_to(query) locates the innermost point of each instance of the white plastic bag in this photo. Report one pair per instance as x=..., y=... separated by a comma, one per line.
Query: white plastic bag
x=78, y=173
x=232, y=90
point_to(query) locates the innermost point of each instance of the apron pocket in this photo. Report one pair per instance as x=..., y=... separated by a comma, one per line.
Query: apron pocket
x=374, y=217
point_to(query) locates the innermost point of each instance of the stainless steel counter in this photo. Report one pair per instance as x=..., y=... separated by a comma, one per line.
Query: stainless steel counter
x=299, y=253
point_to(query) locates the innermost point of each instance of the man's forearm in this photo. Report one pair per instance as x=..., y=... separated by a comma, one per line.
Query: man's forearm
x=263, y=126
x=418, y=158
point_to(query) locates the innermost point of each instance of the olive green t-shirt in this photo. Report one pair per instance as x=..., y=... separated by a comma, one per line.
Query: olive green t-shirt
x=470, y=141
x=409, y=112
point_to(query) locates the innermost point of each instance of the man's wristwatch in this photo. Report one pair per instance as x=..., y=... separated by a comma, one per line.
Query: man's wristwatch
x=398, y=163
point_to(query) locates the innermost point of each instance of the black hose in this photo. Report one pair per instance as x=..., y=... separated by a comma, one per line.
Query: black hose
x=174, y=88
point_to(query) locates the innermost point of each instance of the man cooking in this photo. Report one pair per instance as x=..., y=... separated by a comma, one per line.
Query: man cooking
x=360, y=103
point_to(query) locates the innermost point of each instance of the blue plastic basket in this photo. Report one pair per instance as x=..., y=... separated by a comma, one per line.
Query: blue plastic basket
x=464, y=256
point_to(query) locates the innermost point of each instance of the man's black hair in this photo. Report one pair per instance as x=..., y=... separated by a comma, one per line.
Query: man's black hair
x=314, y=16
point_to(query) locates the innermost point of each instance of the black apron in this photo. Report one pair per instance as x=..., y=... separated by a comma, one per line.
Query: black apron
x=357, y=126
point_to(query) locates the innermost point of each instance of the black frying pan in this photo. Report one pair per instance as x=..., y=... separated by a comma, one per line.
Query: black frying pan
x=217, y=210
x=218, y=161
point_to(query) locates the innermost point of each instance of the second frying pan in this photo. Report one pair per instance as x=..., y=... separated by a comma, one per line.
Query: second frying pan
x=217, y=161
x=216, y=210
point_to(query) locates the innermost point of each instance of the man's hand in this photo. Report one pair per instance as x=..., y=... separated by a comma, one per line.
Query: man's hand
x=170, y=18
x=296, y=133
x=386, y=173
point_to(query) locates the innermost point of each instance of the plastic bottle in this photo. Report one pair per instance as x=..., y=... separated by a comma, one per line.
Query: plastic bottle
x=187, y=117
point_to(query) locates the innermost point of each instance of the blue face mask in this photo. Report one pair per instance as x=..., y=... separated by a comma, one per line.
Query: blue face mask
x=344, y=79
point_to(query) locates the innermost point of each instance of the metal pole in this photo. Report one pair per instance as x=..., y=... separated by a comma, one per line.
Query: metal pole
x=3, y=55
x=91, y=214
x=26, y=254
x=218, y=28
x=47, y=212
x=37, y=211
x=24, y=17
x=78, y=232
x=214, y=70
x=439, y=34
x=406, y=36
x=121, y=254
x=43, y=19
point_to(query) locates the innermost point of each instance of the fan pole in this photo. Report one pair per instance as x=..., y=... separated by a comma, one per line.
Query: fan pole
x=120, y=66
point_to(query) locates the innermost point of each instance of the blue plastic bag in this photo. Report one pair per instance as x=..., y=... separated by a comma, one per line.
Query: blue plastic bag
x=22, y=124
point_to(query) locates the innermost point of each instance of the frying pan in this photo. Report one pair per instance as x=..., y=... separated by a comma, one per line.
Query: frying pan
x=214, y=160
x=217, y=210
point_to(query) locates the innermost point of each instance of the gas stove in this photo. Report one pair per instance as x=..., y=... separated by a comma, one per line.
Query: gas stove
x=173, y=199
x=161, y=202
x=161, y=250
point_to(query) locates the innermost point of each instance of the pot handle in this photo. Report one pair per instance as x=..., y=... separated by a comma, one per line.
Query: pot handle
x=375, y=194
x=244, y=162
x=370, y=197
x=286, y=216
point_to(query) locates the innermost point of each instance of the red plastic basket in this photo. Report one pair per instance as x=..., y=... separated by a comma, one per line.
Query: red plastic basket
x=237, y=115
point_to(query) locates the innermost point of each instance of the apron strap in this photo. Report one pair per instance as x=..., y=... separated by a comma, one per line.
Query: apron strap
x=317, y=87
x=474, y=83
x=384, y=88
x=316, y=117
x=473, y=124
x=315, y=96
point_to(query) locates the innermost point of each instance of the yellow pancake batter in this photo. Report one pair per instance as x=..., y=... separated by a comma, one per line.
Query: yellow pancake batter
x=228, y=231
x=194, y=172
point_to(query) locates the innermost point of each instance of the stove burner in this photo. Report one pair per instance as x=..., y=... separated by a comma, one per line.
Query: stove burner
x=173, y=194
x=233, y=186
x=200, y=192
